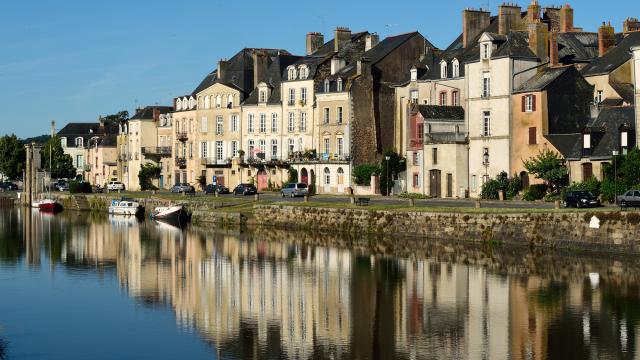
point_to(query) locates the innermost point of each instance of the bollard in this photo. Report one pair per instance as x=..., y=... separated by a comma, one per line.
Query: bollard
x=153, y=192
x=118, y=191
x=353, y=200
x=412, y=202
x=557, y=204
x=256, y=197
x=217, y=195
x=478, y=204
x=306, y=198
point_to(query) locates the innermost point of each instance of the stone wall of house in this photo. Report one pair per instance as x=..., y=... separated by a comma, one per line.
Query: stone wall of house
x=617, y=231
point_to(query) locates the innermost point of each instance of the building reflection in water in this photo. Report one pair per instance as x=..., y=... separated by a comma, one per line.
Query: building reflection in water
x=260, y=296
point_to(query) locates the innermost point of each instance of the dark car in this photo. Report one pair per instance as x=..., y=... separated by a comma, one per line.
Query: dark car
x=216, y=189
x=182, y=187
x=8, y=186
x=630, y=199
x=580, y=199
x=62, y=185
x=245, y=189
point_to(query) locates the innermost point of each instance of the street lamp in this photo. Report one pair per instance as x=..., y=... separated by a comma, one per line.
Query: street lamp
x=615, y=176
x=485, y=162
x=387, y=158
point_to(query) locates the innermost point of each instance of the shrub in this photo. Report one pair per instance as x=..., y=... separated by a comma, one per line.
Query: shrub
x=362, y=173
x=592, y=185
x=552, y=197
x=406, y=195
x=510, y=187
x=535, y=192
x=79, y=187
x=293, y=175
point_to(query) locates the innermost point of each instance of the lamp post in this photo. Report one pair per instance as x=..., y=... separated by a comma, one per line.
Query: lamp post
x=387, y=158
x=615, y=176
x=485, y=162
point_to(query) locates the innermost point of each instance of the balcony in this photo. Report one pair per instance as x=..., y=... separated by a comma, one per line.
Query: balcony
x=156, y=152
x=313, y=158
x=215, y=162
x=182, y=136
x=181, y=162
x=416, y=143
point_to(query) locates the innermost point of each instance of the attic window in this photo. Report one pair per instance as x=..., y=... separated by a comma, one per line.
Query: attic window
x=304, y=72
x=218, y=102
x=443, y=70
x=414, y=74
x=339, y=85
x=456, y=68
x=79, y=142
x=263, y=96
x=624, y=141
x=327, y=86
x=229, y=101
x=63, y=142
x=486, y=51
x=291, y=73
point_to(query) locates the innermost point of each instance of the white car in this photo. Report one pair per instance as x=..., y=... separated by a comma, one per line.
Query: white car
x=115, y=185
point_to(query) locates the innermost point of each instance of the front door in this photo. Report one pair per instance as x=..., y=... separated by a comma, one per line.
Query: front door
x=161, y=182
x=340, y=181
x=262, y=180
x=449, y=185
x=435, y=184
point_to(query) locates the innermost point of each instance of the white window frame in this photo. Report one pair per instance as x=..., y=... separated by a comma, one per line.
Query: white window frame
x=250, y=123
x=219, y=125
x=528, y=103
x=486, y=123
x=339, y=115
x=326, y=115
x=339, y=85
x=262, y=123
x=292, y=146
x=234, y=148
x=303, y=95
x=586, y=141
x=326, y=145
x=219, y=150
x=274, y=122
x=414, y=95
x=218, y=101
x=274, y=148
x=327, y=86
x=204, y=124
x=292, y=96
x=234, y=123
x=203, y=150
x=455, y=98
x=443, y=70
x=303, y=121
x=291, y=125
x=456, y=68
x=340, y=145
x=486, y=84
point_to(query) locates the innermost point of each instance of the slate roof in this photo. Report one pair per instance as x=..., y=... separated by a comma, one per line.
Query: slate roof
x=614, y=58
x=569, y=145
x=87, y=131
x=515, y=46
x=386, y=46
x=274, y=77
x=146, y=113
x=625, y=90
x=581, y=47
x=441, y=113
x=542, y=79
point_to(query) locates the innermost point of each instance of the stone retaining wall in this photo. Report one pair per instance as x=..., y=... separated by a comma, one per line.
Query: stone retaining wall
x=617, y=232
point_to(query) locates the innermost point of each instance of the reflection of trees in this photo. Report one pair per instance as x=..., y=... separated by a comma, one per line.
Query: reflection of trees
x=3, y=349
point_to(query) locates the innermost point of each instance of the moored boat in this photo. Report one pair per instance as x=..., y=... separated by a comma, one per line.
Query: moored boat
x=172, y=213
x=126, y=207
x=46, y=205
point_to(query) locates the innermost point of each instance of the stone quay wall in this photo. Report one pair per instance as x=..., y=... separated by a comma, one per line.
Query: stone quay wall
x=615, y=232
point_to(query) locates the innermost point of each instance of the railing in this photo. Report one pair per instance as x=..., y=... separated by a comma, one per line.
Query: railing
x=416, y=143
x=157, y=151
x=181, y=162
x=319, y=158
x=214, y=161
x=182, y=136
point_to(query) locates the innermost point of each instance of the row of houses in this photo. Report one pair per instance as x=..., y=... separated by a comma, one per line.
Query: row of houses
x=509, y=86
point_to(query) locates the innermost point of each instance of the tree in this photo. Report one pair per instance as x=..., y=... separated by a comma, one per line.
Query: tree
x=549, y=167
x=293, y=175
x=61, y=164
x=389, y=169
x=12, y=156
x=148, y=173
x=202, y=182
x=116, y=118
x=362, y=173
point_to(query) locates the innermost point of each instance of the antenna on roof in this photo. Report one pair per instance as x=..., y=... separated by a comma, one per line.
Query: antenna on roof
x=388, y=27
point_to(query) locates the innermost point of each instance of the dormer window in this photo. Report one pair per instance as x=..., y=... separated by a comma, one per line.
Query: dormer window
x=327, y=86
x=63, y=141
x=192, y=103
x=229, y=101
x=79, y=142
x=414, y=74
x=263, y=96
x=304, y=72
x=218, y=102
x=624, y=141
x=178, y=105
x=291, y=73
x=486, y=51
x=339, y=85
x=443, y=70
x=586, y=145
x=207, y=102
x=456, y=68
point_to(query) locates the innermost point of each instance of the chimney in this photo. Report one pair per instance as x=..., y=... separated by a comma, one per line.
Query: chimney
x=101, y=121
x=553, y=50
x=222, y=67
x=566, y=19
x=533, y=12
x=606, y=38
x=508, y=18
x=261, y=62
x=363, y=67
x=315, y=40
x=156, y=114
x=552, y=16
x=539, y=39
x=342, y=37
x=630, y=25
x=473, y=23
x=337, y=64
x=371, y=41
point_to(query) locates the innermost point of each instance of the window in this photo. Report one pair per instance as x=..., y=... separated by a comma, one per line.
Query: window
x=79, y=142
x=339, y=85
x=207, y=102
x=218, y=102
x=274, y=122
x=229, y=101
x=327, y=146
x=339, y=115
x=443, y=99
x=326, y=115
x=304, y=72
x=63, y=142
x=474, y=183
x=303, y=121
x=455, y=98
x=416, y=180
x=532, y=136
x=486, y=123
x=204, y=124
x=250, y=123
x=203, y=150
x=434, y=156
x=443, y=70
x=292, y=73
x=263, y=96
x=300, y=144
x=340, y=145
x=303, y=95
x=292, y=121
x=486, y=84
x=327, y=86
x=274, y=149
x=292, y=146
x=587, y=171
x=292, y=96
x=219, y=125
x=485, y=156
x=586, y=145
x=414, y=74
x=486, y=51
x=599, y=96
x=251, y=147
x=414, y=96
x=327, y=176
x=190, y=150
x=263, y=146
x=234, y=123
x=263, y=123
x=219, y=149
x=234, y=148
x=529, y=103
x=456, y=68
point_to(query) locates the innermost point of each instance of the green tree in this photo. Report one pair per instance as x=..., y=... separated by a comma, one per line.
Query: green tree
x=116, y=118
x=293, y=175
x=549, y=167
x=148, y=173
x=12, y=156
x=389, y=169
x=202, y=181
x=61, y=164
x=362, y=173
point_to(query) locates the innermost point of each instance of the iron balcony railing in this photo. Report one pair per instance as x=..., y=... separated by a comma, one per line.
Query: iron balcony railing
x=157, y=151
x=182, y=136
x=214, y=161
x=181, y=162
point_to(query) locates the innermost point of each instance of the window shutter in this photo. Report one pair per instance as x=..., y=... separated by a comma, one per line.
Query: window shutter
x=533, y=102
x=524, y=105
x=532, y=136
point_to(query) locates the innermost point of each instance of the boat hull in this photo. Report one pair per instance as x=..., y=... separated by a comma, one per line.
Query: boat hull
x=47, y=205
x=171, y=214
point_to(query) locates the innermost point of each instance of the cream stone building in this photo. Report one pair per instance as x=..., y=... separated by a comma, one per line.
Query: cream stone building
x=101, y=161
x=77, y=140
x=186, y=164
x=636, y=83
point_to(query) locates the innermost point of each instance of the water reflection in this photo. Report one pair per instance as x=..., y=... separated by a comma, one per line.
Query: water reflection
x=273, y=294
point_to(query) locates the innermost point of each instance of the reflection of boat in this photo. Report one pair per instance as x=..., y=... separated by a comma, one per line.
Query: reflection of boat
x=46, y=205
x=173, y=213
x=126, y=207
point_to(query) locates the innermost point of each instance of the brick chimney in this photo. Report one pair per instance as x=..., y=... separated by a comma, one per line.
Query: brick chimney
x=342, y=37
x=261, y=62
x=473, y=23
x=566, y=19
x=508, y=18
x=315, y=40
x=630, y=25
x=606, y=38
x=552, y=16
x=371, y=41
x=156, y=114
x=553, y=50
x=539, y=39
x=222, y=67
x=533, y=12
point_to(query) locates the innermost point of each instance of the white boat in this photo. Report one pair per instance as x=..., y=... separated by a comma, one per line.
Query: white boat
x=176, y=213
x=126, y=207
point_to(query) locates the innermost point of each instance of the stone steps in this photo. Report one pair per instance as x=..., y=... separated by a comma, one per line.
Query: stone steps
x=81, y=203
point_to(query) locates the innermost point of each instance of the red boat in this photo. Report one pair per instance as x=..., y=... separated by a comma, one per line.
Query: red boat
x=47, y=205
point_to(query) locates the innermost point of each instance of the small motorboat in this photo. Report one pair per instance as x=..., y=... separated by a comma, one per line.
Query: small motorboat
x=48, y=205
x=172, y=213
x=126, y=207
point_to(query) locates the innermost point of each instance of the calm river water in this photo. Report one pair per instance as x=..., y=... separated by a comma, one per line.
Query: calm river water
x=78, y=286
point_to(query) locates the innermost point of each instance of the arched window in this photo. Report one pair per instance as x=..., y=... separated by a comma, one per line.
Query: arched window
x=327, y=176
x=207, y=102
x=339, y=85
x=79, y=142
x=218, y=102
x=304, y=72
x=63, y=141
x=291, y=73
x=456, y=68
x=178, y=105
x=327, y=85
x=192, y=103
x=443, y=70
x=229, y=101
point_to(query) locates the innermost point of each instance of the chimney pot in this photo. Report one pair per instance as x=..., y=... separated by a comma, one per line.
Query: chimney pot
x=315, y=40
x=342, y=37
x=606, y=38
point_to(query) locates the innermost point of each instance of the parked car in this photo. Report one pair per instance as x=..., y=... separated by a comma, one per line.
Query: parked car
x=216, y=189
x=62, y=185
x=8, y=186
x=115, y=185
x=580, y=199
x=295, y=189
x=630, y=199
x=182, y=187
x=245, y=189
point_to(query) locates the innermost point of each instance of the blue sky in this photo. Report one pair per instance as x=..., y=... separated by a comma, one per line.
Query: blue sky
x=73, y=60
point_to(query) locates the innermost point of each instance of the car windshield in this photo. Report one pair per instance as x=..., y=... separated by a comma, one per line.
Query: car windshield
x=302, y=186
x=584, y=193
x=291, y=186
